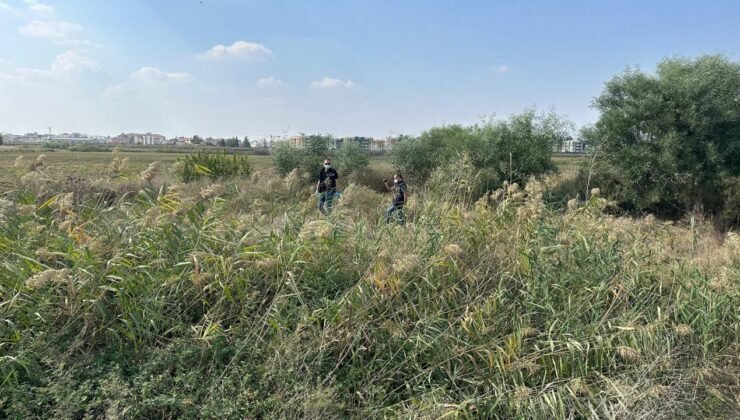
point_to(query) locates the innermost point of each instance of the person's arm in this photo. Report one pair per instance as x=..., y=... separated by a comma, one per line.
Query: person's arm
x=387, y=187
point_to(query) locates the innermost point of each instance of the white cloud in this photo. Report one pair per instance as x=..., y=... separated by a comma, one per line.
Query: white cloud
x=73, y=60
x=54, y=30
x=39, y=7
x=9, y=9
x=498, y=69
x=266, y=82
x=331, y=83
x=239, y=49
x=64, y=64
x=151, y=74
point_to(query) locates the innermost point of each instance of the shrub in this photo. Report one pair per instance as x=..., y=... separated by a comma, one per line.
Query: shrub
x=307, y=160
x=212, y=165
x=671, y=139
x=513, y=149
x=351, y=157
x=286, y=158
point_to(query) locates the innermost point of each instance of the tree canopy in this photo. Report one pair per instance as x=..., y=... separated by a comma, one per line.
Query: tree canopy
x=671, y=139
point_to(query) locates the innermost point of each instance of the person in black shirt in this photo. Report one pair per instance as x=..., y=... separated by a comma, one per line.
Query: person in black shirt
x=400, y=194
x=327, y=187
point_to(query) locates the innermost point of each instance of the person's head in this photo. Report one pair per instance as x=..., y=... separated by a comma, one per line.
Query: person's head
x=397, y=177
x=327, y=163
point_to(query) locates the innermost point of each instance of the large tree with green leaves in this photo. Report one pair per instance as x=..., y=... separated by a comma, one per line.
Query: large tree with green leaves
x=512, y=149
x=671, y=140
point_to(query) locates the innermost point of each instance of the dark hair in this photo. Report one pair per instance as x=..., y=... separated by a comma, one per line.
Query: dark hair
x=398, y=174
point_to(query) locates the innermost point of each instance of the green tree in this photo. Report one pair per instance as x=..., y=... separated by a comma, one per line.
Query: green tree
x=196, y=140
x=221, y=143
x=308, y=159
x=286, y=158
x=313, y=155
x=246, y=144
x=1, y=139
x=512, y=149
x=351, y=157
x=233, y=142
x=671, y=140
x=519, y=147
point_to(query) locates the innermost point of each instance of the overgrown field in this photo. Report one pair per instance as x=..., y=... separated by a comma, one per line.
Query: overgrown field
x=64, y=163
x=126, y=295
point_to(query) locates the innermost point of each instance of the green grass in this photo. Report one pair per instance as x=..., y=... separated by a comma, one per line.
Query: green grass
x=62, y=163
x=238, y=300
x=93, y=164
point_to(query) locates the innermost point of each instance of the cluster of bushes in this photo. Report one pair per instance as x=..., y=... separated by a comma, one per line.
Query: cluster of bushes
x=511, y=150
x=666, y=143
x=349, y=158
x=211, y=165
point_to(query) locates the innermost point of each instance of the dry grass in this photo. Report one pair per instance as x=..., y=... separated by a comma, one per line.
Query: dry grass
x=238, y=299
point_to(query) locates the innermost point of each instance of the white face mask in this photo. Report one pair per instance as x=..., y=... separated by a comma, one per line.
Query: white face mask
x=327, y=165
x=395, y=181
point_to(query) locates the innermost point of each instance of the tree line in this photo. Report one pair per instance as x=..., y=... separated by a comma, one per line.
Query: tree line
x=665, y=143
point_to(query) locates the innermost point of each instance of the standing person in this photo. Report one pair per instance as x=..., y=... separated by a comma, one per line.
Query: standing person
x=327, y=186
x=400, y=195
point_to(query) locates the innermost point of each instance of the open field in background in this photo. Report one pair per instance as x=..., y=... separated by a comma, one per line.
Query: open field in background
x=569, y=163
x=92, y=164
x=61, y=163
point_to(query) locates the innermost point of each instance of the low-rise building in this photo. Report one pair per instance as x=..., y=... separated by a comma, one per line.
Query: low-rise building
x=138, y=138
x=297, y=141
x=571, y=145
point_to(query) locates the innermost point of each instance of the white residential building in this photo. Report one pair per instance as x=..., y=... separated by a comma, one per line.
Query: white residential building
x=147, y=138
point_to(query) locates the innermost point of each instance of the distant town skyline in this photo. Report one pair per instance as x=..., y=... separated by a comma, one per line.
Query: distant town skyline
x=371, y=68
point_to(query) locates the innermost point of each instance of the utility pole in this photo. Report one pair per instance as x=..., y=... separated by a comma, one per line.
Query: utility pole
x=49, y=133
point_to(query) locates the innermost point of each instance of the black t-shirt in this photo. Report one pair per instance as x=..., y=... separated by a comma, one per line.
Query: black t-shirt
x=328, y=179
x=399, y=193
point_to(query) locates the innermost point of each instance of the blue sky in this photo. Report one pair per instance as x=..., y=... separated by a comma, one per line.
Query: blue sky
x=225, y=68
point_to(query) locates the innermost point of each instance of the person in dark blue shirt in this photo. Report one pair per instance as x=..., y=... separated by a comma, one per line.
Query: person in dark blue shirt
x=400, y=194
x=327, y=187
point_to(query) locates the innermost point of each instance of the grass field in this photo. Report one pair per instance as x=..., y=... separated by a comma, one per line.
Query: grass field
x=61, y=163
x=92, y=164
x=238, y=300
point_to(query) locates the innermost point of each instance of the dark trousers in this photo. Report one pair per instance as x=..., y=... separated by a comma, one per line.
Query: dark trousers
x=395, y=211
x=326, y=200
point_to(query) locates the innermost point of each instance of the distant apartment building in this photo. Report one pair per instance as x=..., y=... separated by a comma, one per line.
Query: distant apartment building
x=383, y=145
x=297, y=141
x=148, y=139
x=377, y=145
x=137, y=138
x=363, y=142
x=572, y=146
x=25, y=138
